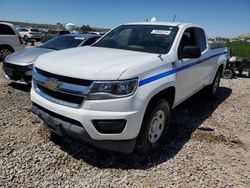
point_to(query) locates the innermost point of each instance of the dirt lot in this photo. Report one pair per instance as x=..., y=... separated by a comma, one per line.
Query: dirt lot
x=208, y=146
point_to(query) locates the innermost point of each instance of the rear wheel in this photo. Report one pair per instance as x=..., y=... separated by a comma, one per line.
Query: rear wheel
x=4, y=52
x=211, y=90
x=154, y=127
x=25, y=38
x=240, y=72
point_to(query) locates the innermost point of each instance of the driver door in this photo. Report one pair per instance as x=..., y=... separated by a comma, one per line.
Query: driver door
x=188, y=74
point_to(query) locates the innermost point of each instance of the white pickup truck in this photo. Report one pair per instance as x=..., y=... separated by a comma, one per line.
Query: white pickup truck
x=118, y=94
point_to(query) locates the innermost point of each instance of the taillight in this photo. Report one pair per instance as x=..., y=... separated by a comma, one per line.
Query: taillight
x=30, y=32
x=20, y=40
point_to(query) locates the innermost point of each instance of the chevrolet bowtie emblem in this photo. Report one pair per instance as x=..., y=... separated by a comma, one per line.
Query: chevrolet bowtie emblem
x=52, y=84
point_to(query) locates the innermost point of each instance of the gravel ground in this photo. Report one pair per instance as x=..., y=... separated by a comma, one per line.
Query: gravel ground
x=208, y=146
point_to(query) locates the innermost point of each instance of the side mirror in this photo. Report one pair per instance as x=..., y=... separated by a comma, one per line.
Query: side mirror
x=191, y=52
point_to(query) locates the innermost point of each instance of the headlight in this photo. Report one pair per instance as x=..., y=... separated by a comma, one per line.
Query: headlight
x=112, y=89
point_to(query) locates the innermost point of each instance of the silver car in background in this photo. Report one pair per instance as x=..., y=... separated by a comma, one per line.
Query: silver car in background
x=10, y=40
x=17, y=67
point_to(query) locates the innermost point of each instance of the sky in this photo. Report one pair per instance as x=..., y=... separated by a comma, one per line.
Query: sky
x=227, y=18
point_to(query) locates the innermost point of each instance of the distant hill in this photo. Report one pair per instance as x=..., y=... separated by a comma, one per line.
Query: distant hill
x=244, y=36
x=47, y=26
x=35, y=25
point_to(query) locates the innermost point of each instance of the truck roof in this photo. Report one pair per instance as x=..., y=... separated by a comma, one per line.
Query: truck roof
x=161, y=23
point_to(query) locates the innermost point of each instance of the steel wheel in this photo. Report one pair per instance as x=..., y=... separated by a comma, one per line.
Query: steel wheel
x=157, y=126
x=154, y=126
x=4, y=52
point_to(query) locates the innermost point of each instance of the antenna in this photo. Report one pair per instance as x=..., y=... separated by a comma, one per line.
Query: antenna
x=174, y=17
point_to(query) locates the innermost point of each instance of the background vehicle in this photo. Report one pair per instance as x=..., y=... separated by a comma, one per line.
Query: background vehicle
x=51, y=34
x=234, y=65
x=97, y=33
x=18, y=66
x=118, y=93
x=10, y=40
x=29, y=34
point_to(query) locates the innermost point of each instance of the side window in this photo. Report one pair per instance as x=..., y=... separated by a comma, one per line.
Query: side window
x=201, y=39
x=6, y=30
x=24, y=30
x=188, y=39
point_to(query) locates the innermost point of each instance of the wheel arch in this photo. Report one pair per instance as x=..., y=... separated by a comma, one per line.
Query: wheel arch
x=2, y=46
x=167, y=93
x=221, y=68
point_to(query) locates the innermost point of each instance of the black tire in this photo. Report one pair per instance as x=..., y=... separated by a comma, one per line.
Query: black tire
x=145, y=144
x=228, y=74
x=25, y=38
x=211, y=90
x=240, y=72
x=4, y=52
x=55, y=137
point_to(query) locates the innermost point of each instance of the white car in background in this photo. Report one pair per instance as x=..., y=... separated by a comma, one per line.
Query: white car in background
x=10, y=40
x=30, y=33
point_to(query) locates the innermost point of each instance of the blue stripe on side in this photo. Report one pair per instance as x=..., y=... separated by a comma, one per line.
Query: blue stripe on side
x=170, y=72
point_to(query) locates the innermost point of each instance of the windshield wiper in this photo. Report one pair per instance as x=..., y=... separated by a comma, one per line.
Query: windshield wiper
x=160, y=56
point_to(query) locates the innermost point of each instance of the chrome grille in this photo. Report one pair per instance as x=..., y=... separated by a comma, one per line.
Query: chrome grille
x=55, y=88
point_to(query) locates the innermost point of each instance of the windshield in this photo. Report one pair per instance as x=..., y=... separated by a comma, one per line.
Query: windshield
x=145, y=38
x=63, y=42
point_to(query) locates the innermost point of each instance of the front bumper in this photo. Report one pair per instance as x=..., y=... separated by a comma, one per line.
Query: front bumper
x=73, y=129
x=130, y=109
x=17, y=73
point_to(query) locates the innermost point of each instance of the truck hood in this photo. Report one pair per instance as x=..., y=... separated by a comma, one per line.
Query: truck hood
x=26, y=56
x=93, y=63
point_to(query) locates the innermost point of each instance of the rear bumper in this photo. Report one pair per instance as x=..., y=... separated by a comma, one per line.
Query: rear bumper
x=74, y=130
x=35, y=37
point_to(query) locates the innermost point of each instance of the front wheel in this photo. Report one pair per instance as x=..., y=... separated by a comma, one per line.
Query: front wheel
x=154, y=127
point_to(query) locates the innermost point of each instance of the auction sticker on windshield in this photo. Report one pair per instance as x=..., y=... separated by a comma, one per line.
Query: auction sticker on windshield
x=160, y=32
